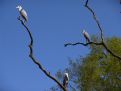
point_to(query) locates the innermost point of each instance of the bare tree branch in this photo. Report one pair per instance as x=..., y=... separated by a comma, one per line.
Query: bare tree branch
x=95, y=18
x=84, y=44
x=35, y=61
x=112, y=53
x=95, y=43
x=101, y=31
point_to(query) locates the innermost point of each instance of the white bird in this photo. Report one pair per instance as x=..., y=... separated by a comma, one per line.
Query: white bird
x=86, y=35
x=22, y=13
x=65, y=80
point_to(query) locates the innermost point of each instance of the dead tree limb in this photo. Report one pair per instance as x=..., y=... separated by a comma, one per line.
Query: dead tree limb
x=101, y=34
x=101, y=30
x=95, y=18
x=36, y=61
x=84, y=44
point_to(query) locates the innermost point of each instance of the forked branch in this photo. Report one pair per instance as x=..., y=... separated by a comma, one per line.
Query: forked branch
x=101, y=30
x=101, y=34
x=36, y=61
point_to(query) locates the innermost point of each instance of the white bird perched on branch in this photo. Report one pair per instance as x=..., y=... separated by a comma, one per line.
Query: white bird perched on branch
x=86, y=35
x=65, y=80
x=22, y=13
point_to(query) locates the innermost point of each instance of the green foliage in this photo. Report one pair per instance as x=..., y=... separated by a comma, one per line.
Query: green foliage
x=99, y=70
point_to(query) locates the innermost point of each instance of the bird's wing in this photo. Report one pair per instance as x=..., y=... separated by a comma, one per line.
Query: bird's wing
x=24, y=14
x=86, y=35
x=67, y=78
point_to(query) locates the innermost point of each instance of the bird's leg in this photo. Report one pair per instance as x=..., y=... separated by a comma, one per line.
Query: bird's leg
x=86, y=40
x=19, y=18
x=24, y=21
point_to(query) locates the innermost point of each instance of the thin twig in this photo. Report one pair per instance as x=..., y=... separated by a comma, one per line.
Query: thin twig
x=101, y=30
x=35, y=61
x=95, y=43
x=72, y=87
x=95, y=18
x=112, y=53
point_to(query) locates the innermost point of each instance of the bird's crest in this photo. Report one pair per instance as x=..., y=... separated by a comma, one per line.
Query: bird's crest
x=66, y=74
x=19, y=7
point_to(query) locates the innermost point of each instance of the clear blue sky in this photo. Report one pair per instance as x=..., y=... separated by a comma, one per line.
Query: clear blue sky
x=52, y=23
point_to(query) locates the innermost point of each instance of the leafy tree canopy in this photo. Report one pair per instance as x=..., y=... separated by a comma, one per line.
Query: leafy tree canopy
x=98, y=71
